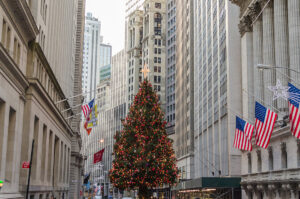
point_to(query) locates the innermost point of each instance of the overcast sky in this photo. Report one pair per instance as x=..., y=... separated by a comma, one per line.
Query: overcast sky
x=111, y=13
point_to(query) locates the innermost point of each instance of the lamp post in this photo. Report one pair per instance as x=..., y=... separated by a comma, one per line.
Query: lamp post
x=265, y=66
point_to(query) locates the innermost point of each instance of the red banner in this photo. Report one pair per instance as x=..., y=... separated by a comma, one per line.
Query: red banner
x=98, y=156
x=25, y=165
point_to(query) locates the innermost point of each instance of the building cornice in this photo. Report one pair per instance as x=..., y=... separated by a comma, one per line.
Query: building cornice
x=13, y=72
x=22, y=16
x=37, y=48
x=36, y=84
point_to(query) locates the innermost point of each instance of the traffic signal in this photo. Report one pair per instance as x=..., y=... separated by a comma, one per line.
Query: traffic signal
x=86, y=179
x=1, y=184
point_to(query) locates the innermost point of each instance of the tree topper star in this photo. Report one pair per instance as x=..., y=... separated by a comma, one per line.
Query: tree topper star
x=145, y=70
x=279, y=91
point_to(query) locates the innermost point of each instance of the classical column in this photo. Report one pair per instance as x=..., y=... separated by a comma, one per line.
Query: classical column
x=247, y=67
x=268, y=53
x=294, y=37
x=277, y=194
x=281, y=45
x=257, y=54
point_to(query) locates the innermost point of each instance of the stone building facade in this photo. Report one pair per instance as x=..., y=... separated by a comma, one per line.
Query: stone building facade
x=270, y=33
x=33, y=81
x=146, y=46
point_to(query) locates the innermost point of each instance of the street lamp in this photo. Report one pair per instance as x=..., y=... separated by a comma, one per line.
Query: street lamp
x=101, y=141
x=265, y=66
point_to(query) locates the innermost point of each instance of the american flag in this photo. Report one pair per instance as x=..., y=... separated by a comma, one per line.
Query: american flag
x=243, y=135
x=264, y=124
x=294, y=97
x=86, y=108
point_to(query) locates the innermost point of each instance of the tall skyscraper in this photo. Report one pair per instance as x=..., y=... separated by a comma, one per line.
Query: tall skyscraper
x=184, y=122
x=146, y=46
x=40, y=41
x=91, y=53
x=217, y=87
x=170, y=65
x=105, y=63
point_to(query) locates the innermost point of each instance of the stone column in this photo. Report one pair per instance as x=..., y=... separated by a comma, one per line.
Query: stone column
x=257, y=54
x=281, y=45
x=294, y=37
x=277, y=194
x=247, y=67
x=268, y=53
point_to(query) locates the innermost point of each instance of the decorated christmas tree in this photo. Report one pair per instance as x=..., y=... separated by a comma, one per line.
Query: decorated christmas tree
x=144, y=157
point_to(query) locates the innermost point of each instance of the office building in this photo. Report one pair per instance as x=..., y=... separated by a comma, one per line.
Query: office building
x=217, y=94
x=91, y=57
x=146, y=46
x=170, y=66
x=184, y=122
x=105, y=63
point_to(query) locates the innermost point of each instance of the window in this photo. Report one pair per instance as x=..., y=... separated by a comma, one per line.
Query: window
x=4, y=27
x=155, y=59
x=157, y=23
x=249, y=163
x=158, y=5
x=298, y=152
x=155, y=68
x=258, y=160
x=159, y=60
x=283, y=155
x=270, y=151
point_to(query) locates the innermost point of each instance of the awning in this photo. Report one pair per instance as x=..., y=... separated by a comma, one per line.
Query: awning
x=209, y=182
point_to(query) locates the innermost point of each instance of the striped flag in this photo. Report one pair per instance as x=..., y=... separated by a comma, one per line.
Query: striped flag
x=93, y=118
x=264, y=124
x=243, y=135
x=294, y=98
x=87, y=108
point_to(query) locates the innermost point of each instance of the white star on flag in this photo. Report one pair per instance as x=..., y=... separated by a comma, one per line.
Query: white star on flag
x=279, y=91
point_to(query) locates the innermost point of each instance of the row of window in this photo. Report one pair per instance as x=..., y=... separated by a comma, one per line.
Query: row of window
x=157, y=60
x=5, y=40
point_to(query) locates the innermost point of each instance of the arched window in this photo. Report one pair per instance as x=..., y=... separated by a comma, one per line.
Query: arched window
x=157, y=23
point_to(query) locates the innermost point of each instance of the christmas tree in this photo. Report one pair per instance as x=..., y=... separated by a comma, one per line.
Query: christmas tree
x=144, y=157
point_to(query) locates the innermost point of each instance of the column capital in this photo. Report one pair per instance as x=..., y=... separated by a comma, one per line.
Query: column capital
x=254, y=11
x=245, y=25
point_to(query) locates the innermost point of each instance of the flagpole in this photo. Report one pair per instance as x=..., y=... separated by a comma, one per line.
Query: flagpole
x=28, y=183
x=74, y=96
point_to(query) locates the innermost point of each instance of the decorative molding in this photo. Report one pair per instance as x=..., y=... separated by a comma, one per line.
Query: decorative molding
x=245, y=25
x=10, y=68
x=20, y=12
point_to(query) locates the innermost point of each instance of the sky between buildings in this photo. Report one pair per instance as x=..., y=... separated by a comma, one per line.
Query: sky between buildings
x=111, y=13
